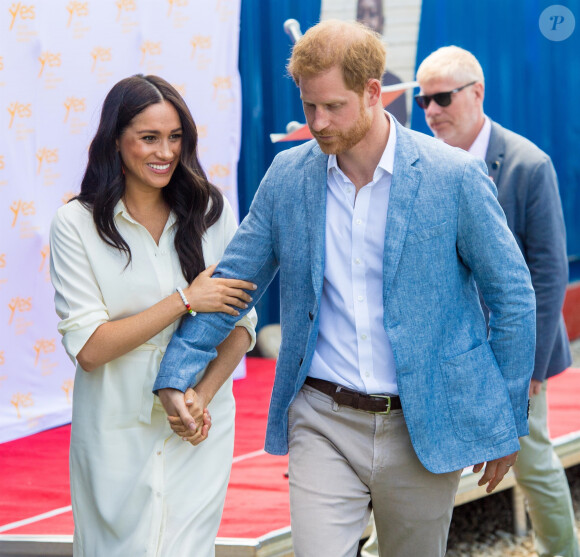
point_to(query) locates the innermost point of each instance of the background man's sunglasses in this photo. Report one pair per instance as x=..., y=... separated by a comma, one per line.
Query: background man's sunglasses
x=442, y=99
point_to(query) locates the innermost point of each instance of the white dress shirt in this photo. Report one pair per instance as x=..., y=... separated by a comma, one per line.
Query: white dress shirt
x=479, y=147
x=124, y=459
x=353, y=348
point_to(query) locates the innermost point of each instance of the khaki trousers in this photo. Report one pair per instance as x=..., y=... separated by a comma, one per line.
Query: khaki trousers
x=343, y=462
x=541, y=477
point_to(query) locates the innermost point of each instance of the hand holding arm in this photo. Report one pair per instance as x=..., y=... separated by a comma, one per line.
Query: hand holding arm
x=115, y=338
x=206, y=294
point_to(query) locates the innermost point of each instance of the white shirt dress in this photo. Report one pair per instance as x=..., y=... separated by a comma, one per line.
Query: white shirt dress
x=137, y=489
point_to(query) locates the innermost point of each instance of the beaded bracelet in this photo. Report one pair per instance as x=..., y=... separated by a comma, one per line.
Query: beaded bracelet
x=184, y=300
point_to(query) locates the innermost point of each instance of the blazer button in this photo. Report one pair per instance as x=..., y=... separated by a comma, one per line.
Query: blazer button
x=310, y=315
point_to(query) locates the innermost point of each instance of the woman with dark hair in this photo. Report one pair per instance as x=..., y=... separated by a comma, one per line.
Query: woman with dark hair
x=127, y=263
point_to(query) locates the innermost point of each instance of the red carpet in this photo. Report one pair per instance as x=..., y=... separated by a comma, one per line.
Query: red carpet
x=34, y=470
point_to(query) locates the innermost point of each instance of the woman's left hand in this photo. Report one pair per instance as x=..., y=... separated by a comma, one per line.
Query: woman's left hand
x=199, y=412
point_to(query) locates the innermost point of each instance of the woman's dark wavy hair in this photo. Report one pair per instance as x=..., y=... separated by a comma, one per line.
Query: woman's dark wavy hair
x=196, y=203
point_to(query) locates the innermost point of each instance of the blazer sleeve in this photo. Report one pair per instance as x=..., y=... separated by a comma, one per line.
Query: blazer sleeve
x=250, y=256
x=249, y=320
x=545, y=251
x=487, y=247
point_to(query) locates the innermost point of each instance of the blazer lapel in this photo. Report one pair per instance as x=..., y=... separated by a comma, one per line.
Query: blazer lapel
x=314, y=178
x=404, y=186
x=495, y=153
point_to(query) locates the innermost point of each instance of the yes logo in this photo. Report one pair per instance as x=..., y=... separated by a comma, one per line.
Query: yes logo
x=19, y=110
x=20, y=207
x=19, y=304
x=50, y=59
x=44, y=253
x=148, y=47
x=175, y=3
x=76, y=8
x=48, y=156
x=201, y=42
x=67, y=386
x=221, y=83
x=21, y=400
x=100, y=54
x=67, y=197
x=43, y=346
x=18, y=9
x=125, y=6
x=218, y=171
x=75, y=104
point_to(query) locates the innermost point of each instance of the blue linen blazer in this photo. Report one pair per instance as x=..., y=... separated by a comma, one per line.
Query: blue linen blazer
x=528, y=193
x=464, y=393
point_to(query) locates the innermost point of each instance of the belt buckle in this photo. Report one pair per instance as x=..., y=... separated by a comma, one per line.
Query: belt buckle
x=385, y=412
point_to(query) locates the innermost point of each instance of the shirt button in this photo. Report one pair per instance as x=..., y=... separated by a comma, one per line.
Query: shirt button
x=358, y=221
x=357, y=261
x=367, y=374
x=360, y=298
x=364, y=337
x=158, y=453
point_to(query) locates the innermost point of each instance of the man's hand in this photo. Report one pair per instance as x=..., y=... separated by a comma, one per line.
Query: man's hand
x=495, y=470
x=174, y=403
x=535, y=387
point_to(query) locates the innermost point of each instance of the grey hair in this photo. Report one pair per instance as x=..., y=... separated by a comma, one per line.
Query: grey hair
x=450, y=62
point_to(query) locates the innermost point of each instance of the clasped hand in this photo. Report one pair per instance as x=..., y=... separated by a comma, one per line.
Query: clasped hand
x=187, y=414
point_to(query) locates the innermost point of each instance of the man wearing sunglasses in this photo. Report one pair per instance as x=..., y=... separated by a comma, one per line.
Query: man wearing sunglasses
x=452, y=92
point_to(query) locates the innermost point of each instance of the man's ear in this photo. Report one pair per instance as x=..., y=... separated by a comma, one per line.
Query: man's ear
x=479, y=89
x=373, y=89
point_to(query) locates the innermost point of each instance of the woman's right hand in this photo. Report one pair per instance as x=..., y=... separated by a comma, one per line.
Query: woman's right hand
x=206, y=294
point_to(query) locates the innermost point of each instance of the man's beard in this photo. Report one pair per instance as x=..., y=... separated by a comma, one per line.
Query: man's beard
x=343, y=141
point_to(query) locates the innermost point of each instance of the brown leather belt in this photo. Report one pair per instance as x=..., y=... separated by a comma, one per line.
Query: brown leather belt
x=377, y=404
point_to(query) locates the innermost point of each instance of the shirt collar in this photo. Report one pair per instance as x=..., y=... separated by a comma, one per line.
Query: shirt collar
x=387, y=161
x=479, y=147
x=121, y=209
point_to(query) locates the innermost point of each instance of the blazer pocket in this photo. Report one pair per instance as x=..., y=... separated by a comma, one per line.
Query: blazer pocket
x=478, y=399
x=426, y=233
